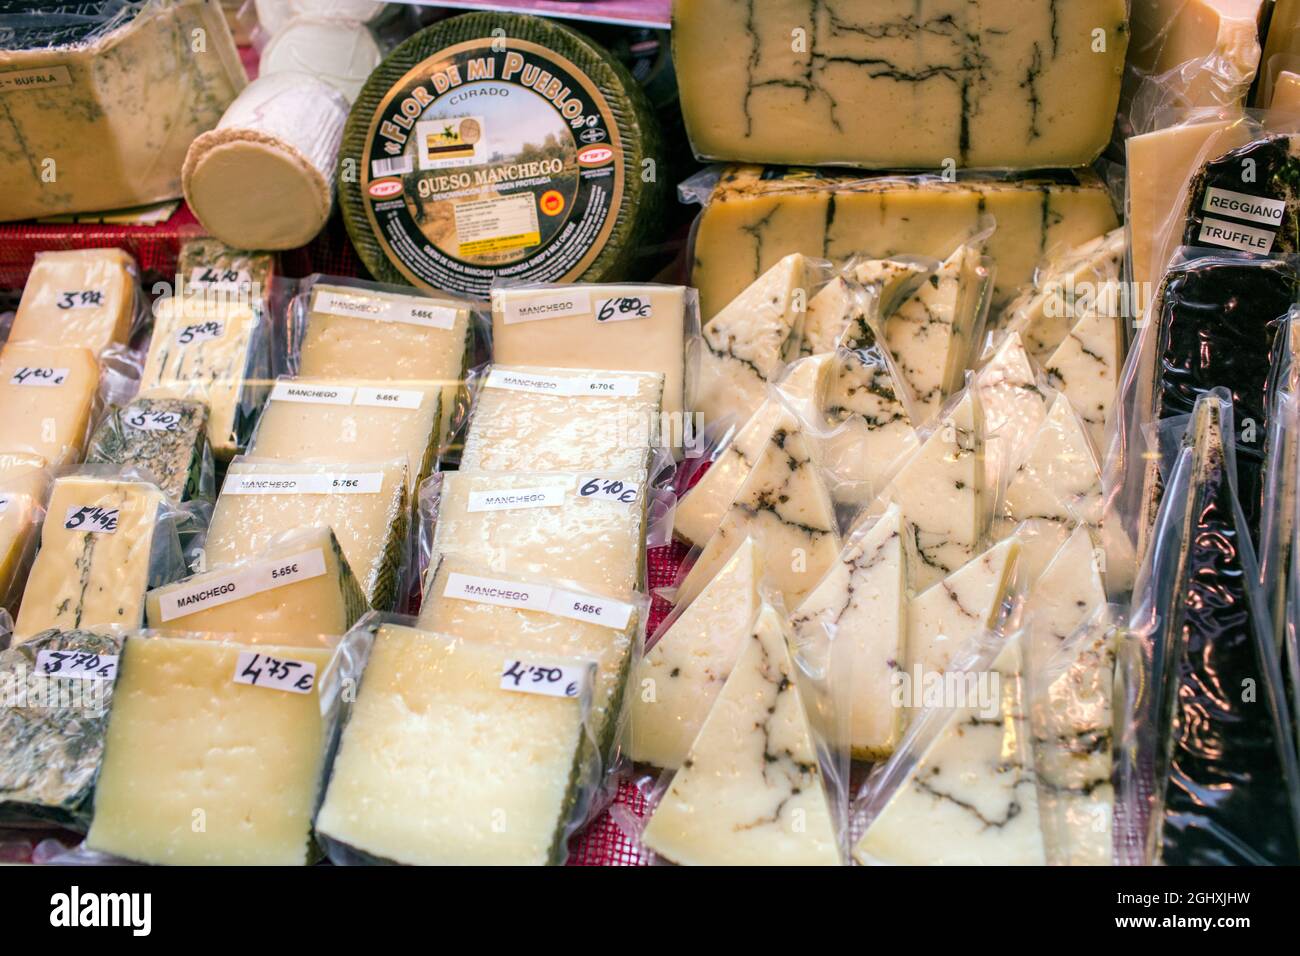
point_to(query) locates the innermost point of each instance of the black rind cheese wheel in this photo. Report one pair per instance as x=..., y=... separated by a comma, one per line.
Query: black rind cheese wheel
x=500, y=146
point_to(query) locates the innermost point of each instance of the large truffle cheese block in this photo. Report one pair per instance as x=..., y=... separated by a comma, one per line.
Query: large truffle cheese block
x=755, y=216
x=84, y=297
x=547, y=419
x=585, y=528
x=210, y=758
x=679, y=678
x=52, y=731
x=443, y=763
x=751, y=790
x=300, y=585
x=364, y=503
x=102, y=545
x=862, y=603
x=979, y=84
x=742, y=345
x=47, y=393
x=965, y=794
x=76, y=134
x=165, y=438
x=313, y=420
x=786, y=508
x=641, y=328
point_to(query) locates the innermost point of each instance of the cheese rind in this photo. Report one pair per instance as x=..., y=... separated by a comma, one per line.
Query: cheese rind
x=202, y=769
x=84, y=298
x=48, y=394
x=165, y=437
x=439, y=764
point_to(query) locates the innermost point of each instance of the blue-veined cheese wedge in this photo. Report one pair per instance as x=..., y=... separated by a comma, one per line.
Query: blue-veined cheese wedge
x=165, y=437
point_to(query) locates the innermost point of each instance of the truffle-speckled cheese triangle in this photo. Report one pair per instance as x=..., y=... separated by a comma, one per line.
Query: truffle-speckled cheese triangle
x=1014, y=406
x=750, y=791
x=1068, y=592
x=1085, y=368
x=681, y=675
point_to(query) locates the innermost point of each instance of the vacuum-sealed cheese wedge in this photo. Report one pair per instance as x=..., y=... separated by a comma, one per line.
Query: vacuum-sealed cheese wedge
x=85, y=298
x=542, y=618
x=549, y=419
x=210, y=348
x=24, y=483
x=751, y=790
x=364, y=503
x=641, y=328
x=1085, y=368
x=312, y=420
x=1014, y=404
x=446, y=760
x=104, y=541
x=47, y=393
x=216, y=750
x=680, y=676
x=300, y=585
x=568, y=526
x=165, y=437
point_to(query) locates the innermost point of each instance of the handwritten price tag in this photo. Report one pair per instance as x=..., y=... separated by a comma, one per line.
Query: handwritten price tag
x=47, y=377
x=91, y=518
x=275, y=673
x=80, y=299
x=549, y=681
x=200, y=332
x=624, y=309
x=81, y=664
x=608, y=489
x=146, y=421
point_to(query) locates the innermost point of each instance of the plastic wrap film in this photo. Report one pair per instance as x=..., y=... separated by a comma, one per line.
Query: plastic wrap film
x=544, y=617
x=1248, y=199
x=257, y=714
x=89, y=298
x=461, y=751
x=341, y=52
x=109, y=534
x=127, y=92
x=546, y=419
x=165, y=438
x=24, y=484
x=1013, y=397
x=1281, y=50
x=364, y=503
x=209, y=264
x=586, y=528
x=49, y=396
x=264, y=178
x=58, y=687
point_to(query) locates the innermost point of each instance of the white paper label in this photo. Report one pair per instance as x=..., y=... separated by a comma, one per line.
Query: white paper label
x=1218, y=232
x=389, y=398
x=92, y=519
x=275, y=673
x=82, y=664
x=554, y=385
x=409, y=310
x=511, y=499
x=549, y=680
x=217, y=278
x=200, y=332
x=153, y=421
x=539, y=597
x=312, y=394
x=47, y=377
x=79, y=299
x=603, y=488
x=624, y=309
x=1225, y=202
x=243, y=583
x=538, y=306
x=368, y=483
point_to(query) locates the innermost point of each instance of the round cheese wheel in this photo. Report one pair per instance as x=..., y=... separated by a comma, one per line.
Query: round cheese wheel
x=340, y=52
x=500, y=145
x=264, y=178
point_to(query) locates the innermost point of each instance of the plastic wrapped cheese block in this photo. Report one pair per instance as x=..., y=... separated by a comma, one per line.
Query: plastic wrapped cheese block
x=100, y=108
x=1246, y=199
x=24, y=483
x=448, y=760
x=213, y=349
x=85, y=298
x=641, y=328
x=58, y=688
x=209, y=265
x=364, y=503
x=546, y=419
x=1013, y=403
x=264, y=177
x=543, y=618
x=584, y=528
x=301, y=584
x=105, y=540
x=167, y=438
x=48, y=394
x=340, y=52
x=351, y=420
x=216, y=749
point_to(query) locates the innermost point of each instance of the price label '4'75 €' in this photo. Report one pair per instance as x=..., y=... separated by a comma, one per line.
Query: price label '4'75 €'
x=276, y=673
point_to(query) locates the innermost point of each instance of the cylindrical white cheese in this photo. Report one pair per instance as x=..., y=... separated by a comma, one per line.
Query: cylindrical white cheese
x=264, y=178
x=340, y=52
x=274, y=15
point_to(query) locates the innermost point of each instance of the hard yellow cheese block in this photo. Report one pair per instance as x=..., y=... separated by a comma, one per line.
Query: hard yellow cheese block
x=20, y=517
x=47, y=394
x=1286, y=92
x=85, y=298
x=442, y=765
x=203, y=769
x=1206, y=52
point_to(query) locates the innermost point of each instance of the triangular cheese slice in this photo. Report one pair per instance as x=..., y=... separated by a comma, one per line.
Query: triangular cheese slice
x=750, y=791
x=1068, y=592
x=893, y=280
x=1085, y=368
x=743, y=343
x=931, y=334
x=838, y=312
x=1014, y=406
x=961, y=606
x=864, y=599
x=785, y=507
x=969, y=798
x=681, y=675
x=940, y=490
